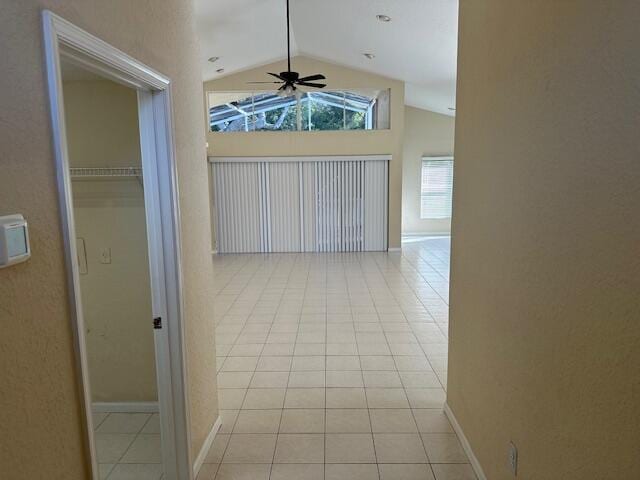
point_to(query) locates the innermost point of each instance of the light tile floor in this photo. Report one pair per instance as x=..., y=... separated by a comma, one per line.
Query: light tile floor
x=128, y=446
x=334, y=366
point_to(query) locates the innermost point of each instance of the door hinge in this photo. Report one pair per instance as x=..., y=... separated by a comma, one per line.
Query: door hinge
x=157, y=323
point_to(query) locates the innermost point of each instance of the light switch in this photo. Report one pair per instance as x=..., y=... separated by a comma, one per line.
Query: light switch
x=105, y=256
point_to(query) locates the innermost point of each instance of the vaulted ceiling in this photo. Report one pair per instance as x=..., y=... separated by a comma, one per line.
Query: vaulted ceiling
x=417, y=46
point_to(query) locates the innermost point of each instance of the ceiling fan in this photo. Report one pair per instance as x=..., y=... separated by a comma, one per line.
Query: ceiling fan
x=290, y=79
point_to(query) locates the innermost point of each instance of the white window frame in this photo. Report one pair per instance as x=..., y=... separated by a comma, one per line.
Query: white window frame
x=426, y=215
x=371, y=123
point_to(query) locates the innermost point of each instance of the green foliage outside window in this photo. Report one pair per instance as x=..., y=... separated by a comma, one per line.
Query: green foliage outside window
x=321, y=111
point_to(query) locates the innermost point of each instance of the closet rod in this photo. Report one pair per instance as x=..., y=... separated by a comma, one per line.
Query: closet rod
x=106, y=172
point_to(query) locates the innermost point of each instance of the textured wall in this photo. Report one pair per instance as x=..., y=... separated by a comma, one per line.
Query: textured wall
x=425, y=134
x=545, y=278
x=322, y=143
x=40, y=415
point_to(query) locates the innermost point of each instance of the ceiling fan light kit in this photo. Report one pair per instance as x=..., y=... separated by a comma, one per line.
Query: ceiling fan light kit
x=286, y=91
x=289, y=79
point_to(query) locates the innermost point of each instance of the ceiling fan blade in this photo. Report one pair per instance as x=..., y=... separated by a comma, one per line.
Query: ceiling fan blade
x=277, y=76
x=255, y=83
x=318, y=76
x=314, y=85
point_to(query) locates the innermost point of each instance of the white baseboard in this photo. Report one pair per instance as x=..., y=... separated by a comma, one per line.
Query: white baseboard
x=124, y=407
x=426, y=234
x=475, y=464
x=197, y=464
x=394, y=249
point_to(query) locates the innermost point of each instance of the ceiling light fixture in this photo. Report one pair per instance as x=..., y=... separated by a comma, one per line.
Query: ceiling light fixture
x=287, y=91
x=452, y=109
x=370, y=56
x=383, y=18
x=220, y=70
x=213, y=59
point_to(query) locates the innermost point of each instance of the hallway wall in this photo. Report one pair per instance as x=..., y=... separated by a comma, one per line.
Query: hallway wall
x=544, y=325
x=41, y=414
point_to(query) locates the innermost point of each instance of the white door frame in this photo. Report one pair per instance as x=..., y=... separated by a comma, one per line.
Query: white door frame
x=63, y=39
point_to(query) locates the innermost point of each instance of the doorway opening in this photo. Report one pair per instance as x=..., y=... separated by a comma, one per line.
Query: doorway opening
x=116, y=177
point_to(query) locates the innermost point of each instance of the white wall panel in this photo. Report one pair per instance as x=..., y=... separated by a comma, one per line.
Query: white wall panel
x=303, y=204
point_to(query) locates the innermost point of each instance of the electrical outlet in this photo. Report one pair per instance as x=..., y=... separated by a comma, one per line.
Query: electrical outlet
x=513, y=458
x=105, y=256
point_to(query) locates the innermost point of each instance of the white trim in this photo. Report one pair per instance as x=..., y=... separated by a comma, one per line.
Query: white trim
x=466, y=446
x=394, y=249
x=54, y=82
x=442, y=157
x=302, y=158
x=63, y=39
x=202, y=455
x=94, y=53
x=426, y=235
x=124, y=407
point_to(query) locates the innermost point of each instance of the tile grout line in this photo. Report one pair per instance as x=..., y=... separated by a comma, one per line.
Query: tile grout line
x=401, y=295
x=284, y=400
x=404, y=387
x=118, y=462
x=366, y=396
x=246, y=390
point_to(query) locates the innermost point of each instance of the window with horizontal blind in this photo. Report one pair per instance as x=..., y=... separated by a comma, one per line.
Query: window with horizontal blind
x=437, y=187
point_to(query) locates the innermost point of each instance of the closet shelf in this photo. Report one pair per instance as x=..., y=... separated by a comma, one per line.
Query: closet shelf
x=135, y=172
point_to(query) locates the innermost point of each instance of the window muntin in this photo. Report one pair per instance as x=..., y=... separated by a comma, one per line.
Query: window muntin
x=365, y=109
x=437, y=187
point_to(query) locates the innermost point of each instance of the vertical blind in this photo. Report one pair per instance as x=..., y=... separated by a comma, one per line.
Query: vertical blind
x=437, y=187
x=304, y=204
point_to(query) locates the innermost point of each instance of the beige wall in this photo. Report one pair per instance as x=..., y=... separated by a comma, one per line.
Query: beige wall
x=426, y=134
x=545, y=309
x=102, y=131
x=41, y=411
x=102, y=123
x=361, y=142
